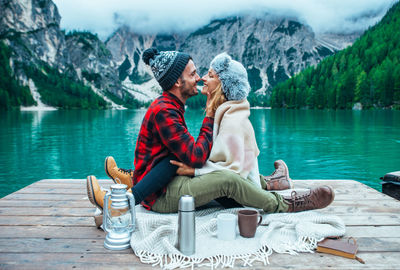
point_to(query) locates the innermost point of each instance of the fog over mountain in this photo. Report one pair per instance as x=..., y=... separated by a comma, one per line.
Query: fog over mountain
x=158, y=16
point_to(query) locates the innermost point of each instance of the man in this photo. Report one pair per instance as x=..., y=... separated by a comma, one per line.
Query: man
x=164, y=132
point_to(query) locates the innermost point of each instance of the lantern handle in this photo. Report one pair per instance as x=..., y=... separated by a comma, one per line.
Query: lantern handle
x=106, y=213
x=131, y=199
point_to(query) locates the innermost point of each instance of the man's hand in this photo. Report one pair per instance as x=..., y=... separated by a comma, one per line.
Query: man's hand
x=183, y=169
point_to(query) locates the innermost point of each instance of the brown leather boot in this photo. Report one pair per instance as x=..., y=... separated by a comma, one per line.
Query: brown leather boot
x=96, y=197
x=118, y=175
x=279, y=179
x=94, y=192
x=316, y=198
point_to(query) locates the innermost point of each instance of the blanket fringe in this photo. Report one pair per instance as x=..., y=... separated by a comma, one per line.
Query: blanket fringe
x=174, y=261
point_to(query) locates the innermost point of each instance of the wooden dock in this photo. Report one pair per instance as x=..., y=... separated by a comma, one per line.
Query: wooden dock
x=49, y=225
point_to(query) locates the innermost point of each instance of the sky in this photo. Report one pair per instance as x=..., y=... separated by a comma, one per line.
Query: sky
x=162, y=16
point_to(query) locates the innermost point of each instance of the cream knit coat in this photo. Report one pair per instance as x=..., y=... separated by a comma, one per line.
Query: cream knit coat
x=234, y=142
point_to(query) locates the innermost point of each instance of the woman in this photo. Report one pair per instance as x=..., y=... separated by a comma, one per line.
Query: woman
x=234, y=143
x=231, y=171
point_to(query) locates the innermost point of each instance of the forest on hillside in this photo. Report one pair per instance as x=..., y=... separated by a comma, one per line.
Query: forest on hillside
x=366, y=73
x=56, y=89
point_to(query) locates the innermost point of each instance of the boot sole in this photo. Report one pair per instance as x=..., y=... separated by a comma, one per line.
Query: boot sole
x=90, y=192
x=105, y=168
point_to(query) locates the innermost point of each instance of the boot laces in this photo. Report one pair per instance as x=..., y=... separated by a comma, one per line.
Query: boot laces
x=301, y=201
x=278, y=172
x=125, y=171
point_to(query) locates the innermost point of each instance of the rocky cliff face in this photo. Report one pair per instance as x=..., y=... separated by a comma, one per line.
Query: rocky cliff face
x=32, y=30
x=272, y=48
x=93, y=62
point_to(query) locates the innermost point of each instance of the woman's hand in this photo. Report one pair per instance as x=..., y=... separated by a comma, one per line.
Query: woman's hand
x=209, y=111
x=183, y=169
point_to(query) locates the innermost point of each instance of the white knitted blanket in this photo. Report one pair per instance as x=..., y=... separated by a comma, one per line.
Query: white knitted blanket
x=155, y=237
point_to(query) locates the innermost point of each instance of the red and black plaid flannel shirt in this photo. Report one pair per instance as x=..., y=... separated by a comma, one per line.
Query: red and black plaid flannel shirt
x=164, y=131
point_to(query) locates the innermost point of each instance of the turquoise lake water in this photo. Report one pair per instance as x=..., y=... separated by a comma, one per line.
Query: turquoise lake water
x=359, y=145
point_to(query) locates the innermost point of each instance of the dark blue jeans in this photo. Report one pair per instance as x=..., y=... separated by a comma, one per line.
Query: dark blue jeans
x=156, y=179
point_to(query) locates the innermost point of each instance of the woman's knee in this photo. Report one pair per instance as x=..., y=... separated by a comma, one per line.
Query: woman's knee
x=226, y=178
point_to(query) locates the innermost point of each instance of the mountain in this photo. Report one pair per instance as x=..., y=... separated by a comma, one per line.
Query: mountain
x=44, y=67
x=364, y=75
x=272, y=49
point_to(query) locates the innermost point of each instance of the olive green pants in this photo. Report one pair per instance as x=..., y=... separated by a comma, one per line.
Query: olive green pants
x=217, y=184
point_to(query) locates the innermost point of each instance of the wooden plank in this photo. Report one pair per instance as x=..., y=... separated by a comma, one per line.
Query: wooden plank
x=342, y=188
x=391, y=207
x=81, y=195
x=88, y=232
x=62, y=191
x=87, y=209
x=47, y=211
x=41, y=245
x=381, y=203
x=297, y=183
x=117, y=260
x=65, y=185
x=318, y=261
x=48, y=197
x=373, y=231
x=46, y=221
x=55, y=181
x=343, y=182
x=80, y=260
x=370, y=220
x=68, y=245
x=349, y=220
x=337, y=183
x=45, y=203
x=348, y=185
x=38, y=231
x=362, y=210
x=81, y=189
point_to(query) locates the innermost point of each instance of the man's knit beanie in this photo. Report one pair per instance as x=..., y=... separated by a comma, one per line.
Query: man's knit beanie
x=167, y=66
x=232, y=75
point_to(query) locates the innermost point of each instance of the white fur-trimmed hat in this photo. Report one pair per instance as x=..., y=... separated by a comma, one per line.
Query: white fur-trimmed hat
x=232, y=75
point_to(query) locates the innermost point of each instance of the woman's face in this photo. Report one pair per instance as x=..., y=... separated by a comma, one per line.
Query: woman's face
x=211, y=81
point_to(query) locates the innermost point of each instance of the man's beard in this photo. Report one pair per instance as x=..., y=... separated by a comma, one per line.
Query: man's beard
x=186, y=91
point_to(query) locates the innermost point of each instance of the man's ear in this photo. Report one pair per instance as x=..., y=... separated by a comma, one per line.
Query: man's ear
x=178, y=82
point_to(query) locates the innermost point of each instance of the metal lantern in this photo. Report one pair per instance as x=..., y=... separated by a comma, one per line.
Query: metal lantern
x=119, y=218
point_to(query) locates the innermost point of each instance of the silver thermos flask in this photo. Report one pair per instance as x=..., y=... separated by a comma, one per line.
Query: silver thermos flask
x=186, y=225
